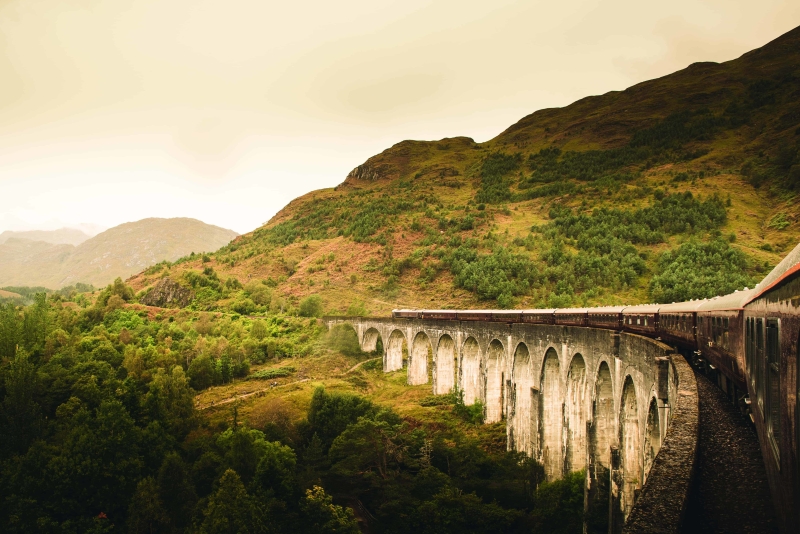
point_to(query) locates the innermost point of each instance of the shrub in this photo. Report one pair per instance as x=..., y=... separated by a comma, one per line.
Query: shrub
x=268, y=374
x=311, y=306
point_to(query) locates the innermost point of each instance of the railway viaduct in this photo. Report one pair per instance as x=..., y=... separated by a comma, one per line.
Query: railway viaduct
x=572, y=397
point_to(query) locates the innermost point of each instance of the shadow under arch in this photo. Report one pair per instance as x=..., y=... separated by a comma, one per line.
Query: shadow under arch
x=600, y=440
x=470, y=379
x=652, y=438
x=444, y=380
x=495, y=382
x=575, y=416
x=369, y=343
x=521, y=404
x=395, y=349
x=551, y=416
x=629, y=447
x=418, y=359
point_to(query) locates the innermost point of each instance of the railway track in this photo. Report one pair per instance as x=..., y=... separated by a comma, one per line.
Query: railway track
x=729, y=492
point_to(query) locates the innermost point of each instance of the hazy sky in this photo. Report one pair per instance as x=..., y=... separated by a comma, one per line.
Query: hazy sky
x=116, y=110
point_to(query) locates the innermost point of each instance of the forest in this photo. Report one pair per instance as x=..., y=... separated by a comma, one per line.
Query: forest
x=101, y=433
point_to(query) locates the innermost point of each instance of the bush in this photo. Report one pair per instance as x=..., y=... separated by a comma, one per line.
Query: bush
x=700, y=270
x=268, y=374
x=311, y=306
x=343, y=338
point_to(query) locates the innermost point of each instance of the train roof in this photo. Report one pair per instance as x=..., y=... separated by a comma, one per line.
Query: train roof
x=607, y=309
x=540, y=311
x=787, y=268
x=570, y=311
x=681, y=307
x=641, y=308
x=732, y=301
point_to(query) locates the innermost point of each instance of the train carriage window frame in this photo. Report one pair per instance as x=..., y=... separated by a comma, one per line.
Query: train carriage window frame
x=772, y=379
x=759, y=367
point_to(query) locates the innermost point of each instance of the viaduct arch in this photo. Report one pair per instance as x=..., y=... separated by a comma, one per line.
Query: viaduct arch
x=573, y=398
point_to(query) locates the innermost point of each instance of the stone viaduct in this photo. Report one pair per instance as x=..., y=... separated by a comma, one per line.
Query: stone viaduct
x=572, y=397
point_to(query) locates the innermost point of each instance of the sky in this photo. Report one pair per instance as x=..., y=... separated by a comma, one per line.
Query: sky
x=113, y=111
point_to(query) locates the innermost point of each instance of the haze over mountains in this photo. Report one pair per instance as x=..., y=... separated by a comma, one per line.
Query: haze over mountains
x=62, y=236
x=63, y=257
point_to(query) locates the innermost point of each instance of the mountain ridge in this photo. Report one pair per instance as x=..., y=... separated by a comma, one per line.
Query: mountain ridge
x=702, y=163
x=117, y=252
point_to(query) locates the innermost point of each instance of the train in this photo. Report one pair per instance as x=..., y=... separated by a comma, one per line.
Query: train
x=746, y=341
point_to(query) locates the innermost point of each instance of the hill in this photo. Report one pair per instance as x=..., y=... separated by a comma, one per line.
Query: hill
x=62, y=236
x=118, y=252
x=680, y=187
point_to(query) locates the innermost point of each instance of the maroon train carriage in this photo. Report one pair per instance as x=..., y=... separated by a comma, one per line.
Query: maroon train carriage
x=641, y=319
x=539, y=316
x=406, y=314
x=507, y=316
x=606, y=317
x=772, y=327
x=442, y=315
x=571, y=316
x=677, y=323
x=720, y=339
x=474, y=315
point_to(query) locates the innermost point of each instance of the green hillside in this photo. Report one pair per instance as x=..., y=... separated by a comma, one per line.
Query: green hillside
x=676, y=188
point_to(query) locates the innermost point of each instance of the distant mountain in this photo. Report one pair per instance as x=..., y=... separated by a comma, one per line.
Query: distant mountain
x=120, y=251
x=62, y=236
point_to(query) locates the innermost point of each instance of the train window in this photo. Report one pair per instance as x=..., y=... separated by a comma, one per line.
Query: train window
x=725, y=325
x=760, y=363
x=645, y=320
x=773, y=379
x=748, y=348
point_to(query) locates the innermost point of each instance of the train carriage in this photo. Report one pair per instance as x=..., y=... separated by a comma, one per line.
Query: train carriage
x=571, y=316
x=507, y=316
x=720, y=338
x=474, y=315
x=677, y=322
x=442, y=315
x=406, y=314
x=771, y=332
x=539, y=316
x=605, y=317
x=641, y=319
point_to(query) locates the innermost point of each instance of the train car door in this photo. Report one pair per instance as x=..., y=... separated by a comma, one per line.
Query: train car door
x=773, y=385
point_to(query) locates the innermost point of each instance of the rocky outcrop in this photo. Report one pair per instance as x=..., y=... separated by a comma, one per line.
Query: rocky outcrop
x=167, y=293
x=369, y=172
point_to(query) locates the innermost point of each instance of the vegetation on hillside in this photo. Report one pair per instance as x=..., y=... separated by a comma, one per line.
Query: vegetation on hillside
x=99, y=432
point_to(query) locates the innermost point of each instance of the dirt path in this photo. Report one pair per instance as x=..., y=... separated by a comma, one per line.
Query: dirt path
x=359, y=364
x=245, y=395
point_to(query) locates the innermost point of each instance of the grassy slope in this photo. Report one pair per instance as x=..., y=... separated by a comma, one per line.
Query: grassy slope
x=757, y=98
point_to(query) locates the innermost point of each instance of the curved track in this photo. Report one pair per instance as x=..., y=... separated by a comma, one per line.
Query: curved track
x=730, y=491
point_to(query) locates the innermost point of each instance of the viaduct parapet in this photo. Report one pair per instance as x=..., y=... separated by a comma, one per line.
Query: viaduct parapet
x=572, y=397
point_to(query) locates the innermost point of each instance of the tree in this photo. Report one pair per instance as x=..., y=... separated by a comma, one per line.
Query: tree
x=21, y=415
x=331, y=413
x=146, y=514
x=231, y=510
x=176, y=491
x=311, y=306
x=367, y=445
x=324, y=517
x=275, y=473
x=201, y=373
